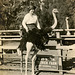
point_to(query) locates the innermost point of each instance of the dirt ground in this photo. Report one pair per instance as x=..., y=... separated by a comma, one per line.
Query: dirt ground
x=15, y=72
x=29, y=73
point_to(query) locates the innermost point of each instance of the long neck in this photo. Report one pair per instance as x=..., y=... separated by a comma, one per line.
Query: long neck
x=67, y=25
x=55, y=20
x=41, y=7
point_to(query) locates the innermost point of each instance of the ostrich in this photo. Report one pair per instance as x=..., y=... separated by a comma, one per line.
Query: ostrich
x=41, y=4
x=55, y=19
x=67, y=24
x=30, y=44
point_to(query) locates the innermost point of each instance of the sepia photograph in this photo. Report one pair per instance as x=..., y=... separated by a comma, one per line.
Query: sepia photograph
x=37, y=37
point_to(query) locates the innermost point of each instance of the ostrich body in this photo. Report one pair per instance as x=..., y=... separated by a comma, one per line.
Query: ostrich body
x=30, y=44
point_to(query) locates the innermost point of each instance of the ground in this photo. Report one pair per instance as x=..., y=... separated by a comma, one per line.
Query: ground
x=4, y=71
x=19, y=73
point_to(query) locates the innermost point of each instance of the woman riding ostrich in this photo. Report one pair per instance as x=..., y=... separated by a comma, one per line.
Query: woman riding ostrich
x=35, y=35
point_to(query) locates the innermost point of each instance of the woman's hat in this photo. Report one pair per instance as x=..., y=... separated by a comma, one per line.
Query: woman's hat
x=31, y=7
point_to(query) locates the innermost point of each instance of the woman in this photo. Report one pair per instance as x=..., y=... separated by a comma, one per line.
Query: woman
x=29, y=23
x=33, y=36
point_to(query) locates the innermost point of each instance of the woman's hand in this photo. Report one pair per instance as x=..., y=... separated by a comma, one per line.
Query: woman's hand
x=27, y=30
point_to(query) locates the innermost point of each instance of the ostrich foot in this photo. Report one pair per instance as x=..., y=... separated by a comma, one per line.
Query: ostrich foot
x=25, y=72
x=18, y=52
x=33, y=74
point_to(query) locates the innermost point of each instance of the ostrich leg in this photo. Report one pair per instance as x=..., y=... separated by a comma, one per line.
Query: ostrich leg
x=28, y=46
x=33, y=61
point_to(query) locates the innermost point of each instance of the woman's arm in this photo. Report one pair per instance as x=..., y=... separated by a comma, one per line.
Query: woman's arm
x=38, y=25
x=24, y=24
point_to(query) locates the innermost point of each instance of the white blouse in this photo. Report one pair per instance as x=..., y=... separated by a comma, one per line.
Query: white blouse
x=29, y=19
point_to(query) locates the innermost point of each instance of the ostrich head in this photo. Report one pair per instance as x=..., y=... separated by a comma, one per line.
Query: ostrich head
x=54, y=10
x=67, y=18
x=55, y=19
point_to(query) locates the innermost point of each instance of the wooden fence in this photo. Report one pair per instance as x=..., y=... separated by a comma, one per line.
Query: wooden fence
x=15, y=35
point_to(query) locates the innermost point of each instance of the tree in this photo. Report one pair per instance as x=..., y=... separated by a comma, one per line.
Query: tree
x=16, y=9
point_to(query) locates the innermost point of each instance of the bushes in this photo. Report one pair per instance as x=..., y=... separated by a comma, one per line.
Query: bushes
x=15, y=14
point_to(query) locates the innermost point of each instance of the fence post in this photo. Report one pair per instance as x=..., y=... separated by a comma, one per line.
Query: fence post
x=59, y=53
x=21, y=51
x=0, y=48
x=20, y=30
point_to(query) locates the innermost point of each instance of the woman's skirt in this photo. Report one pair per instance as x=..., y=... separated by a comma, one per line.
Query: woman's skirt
x=36, y=36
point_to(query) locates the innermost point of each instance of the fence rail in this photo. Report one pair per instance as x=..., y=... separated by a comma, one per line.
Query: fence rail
x=59, y=48
x=9, y=31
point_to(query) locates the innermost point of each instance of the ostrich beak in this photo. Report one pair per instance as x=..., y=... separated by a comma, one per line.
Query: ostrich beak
x=57, y=11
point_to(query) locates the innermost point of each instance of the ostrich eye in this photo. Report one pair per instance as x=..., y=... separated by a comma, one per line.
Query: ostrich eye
x=55, y=10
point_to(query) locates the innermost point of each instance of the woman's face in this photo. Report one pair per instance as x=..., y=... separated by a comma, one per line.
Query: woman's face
x=32, y=11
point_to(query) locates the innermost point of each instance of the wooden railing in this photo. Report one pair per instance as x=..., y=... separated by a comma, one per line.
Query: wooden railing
x=58, y=36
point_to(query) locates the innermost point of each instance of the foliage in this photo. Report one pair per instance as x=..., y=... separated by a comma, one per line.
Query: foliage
x=13, y=11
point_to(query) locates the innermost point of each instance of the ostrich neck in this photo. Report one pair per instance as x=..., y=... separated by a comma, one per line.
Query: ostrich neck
x=41, y=7
x=67, y=24
x=55, y=21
